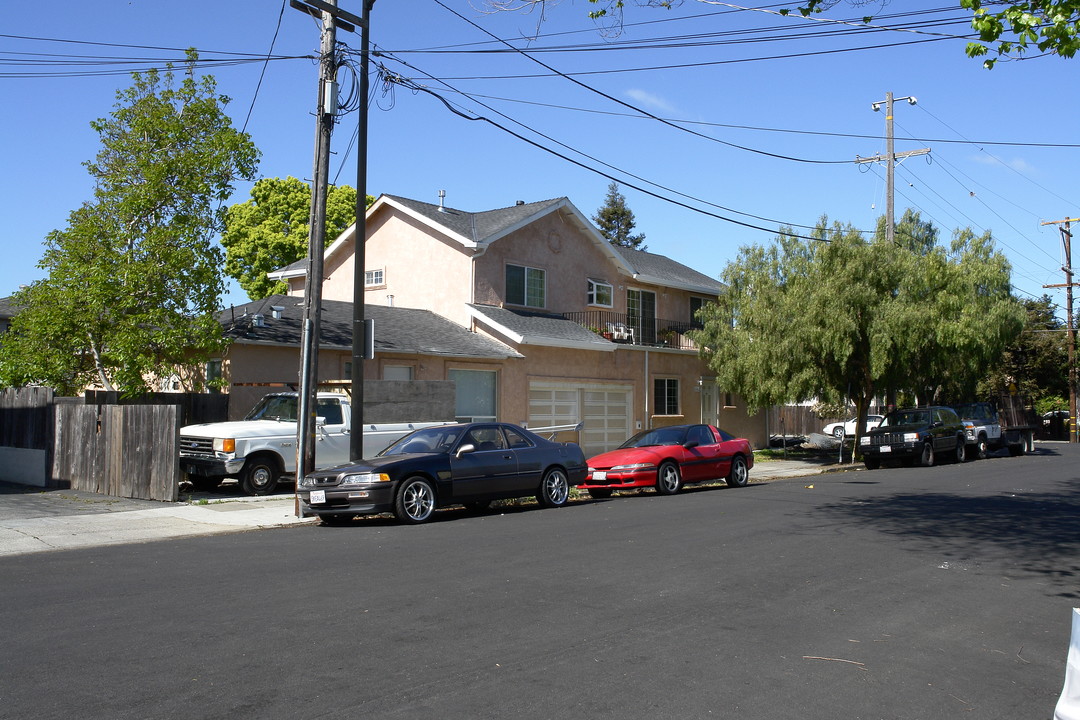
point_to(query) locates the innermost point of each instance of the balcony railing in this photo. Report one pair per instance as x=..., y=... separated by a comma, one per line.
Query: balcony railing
x=636, y=330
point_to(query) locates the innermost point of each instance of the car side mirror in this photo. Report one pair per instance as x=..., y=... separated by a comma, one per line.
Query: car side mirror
x=690, y=444
x=465, y=450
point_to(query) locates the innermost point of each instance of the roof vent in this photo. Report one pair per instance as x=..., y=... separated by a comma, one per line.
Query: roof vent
x=442, y=196
x=258, y=320
x=275, y=310
x=520, y=202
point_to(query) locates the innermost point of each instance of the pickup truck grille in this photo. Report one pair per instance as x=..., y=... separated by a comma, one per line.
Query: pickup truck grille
x=887, y=439
x=196, y=445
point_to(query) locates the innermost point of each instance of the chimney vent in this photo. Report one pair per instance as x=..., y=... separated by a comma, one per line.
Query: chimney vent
x=442, y=196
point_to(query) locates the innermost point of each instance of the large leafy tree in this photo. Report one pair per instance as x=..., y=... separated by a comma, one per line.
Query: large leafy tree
x=270, y=231
x=616, y=222
x=1005, y=28
x=835, y=316
x=134, y=280
x=1036, y=363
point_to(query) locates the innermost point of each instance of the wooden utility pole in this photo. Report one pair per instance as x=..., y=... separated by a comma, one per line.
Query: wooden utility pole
x=1065, y=226
x=889, y=158
x=326, y=106
x=362, y=345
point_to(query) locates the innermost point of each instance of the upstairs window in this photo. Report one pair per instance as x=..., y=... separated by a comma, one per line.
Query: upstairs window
x=373, y=278
x=696, y=304
x=525, y=286
x=599, y=293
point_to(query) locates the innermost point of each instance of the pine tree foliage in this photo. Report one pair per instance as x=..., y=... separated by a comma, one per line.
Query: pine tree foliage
x=133, y=282
x=615, y=220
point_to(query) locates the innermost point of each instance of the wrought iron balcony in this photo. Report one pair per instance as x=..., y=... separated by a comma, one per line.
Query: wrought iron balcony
x=636, y=330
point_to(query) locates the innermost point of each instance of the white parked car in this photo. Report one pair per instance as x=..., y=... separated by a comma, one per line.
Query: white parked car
x=841, y=429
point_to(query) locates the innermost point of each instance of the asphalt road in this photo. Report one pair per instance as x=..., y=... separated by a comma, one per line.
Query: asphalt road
x=900, y=593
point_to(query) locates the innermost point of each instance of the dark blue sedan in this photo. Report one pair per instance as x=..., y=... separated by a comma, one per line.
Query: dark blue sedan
x=470, y=464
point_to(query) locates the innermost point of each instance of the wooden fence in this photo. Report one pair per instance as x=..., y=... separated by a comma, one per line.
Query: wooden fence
x=122, y=450
x=116, y=449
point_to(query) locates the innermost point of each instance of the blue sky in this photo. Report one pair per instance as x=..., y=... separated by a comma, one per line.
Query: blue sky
x=756, y=118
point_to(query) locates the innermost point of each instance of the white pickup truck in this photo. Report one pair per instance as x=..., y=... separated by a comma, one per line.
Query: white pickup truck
x=261, y=449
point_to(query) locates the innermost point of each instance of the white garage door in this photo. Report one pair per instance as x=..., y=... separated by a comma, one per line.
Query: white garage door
x=605, y=410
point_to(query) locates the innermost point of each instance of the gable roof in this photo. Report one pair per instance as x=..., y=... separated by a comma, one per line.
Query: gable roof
x=478, y=230
x=533, y=328
x=398, y=330
x=661, y=270
x=475, y=230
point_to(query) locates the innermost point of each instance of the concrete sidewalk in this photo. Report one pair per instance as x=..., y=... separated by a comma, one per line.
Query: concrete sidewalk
x=39, y=520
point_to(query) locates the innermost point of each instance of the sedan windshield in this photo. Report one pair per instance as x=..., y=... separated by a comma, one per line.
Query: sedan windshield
x=657, y=436
x=428, y=440
x=906, y=417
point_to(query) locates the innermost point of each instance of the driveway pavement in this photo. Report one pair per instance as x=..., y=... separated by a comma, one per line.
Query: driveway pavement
x=38, y=520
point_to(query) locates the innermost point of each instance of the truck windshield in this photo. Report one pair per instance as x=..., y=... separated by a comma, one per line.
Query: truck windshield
x=274, y=407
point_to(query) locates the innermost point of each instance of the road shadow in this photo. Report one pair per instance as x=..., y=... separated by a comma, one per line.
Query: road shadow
x=1037, y=533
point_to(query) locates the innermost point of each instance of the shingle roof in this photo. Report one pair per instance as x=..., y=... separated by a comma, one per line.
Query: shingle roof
x=531, y=328
x=667, y=271
x=403, y=330
x=477, y=227
x=7, y=307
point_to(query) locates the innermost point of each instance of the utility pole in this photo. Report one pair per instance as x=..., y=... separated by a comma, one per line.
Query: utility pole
x=332, y=18
x=890, y=158
x=309, y=352
x=1066, y=238
x=361, y=343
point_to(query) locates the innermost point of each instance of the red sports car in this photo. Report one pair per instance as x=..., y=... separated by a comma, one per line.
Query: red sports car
x=668, y=457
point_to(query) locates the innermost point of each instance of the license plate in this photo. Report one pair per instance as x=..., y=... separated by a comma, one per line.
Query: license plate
x=317, y=497
x=885, y=448
x=599, y=475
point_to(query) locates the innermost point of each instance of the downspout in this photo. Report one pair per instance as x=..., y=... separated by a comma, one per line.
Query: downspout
x=648, y=421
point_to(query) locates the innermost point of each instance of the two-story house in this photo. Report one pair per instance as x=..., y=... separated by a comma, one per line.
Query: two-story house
x=590, y=332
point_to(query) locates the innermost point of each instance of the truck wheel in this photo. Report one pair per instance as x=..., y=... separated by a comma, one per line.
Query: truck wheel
x=927, y=458
x=260, y=475
x=871, y=463
x=961, y=449
x=982, y=448
x=1016, y=450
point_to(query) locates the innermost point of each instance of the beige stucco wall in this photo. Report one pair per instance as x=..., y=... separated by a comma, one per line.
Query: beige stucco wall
x=568, y=256
x=421, y=268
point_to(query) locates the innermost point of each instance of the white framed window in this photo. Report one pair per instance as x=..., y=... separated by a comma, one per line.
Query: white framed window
x=666, y=396
x=526, y=286
x=373, y=278
x=599, y=293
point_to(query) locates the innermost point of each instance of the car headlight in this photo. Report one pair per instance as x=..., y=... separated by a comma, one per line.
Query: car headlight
x=225, y=445
x=633, y=466
x=307, y=482
x=363, y=479
x=911, y=437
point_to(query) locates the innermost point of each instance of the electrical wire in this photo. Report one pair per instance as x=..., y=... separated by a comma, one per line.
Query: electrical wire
x=262, y=73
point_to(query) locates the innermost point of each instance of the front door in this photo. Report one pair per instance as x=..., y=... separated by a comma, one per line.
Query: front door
x=710, y=403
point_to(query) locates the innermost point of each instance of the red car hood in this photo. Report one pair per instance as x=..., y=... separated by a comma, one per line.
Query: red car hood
x=629, y=456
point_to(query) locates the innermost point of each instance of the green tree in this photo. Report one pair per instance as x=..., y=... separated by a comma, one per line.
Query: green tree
x=134, y=281
x=270, y=231
x=838, y=317
x=1036, y=363
x=1005, y=28
x=616, y=221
